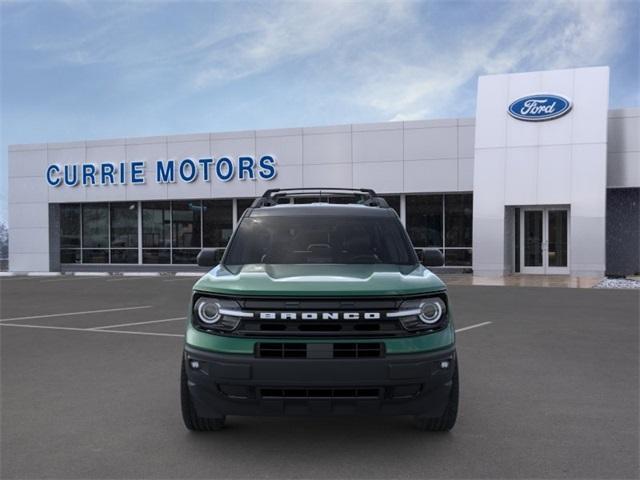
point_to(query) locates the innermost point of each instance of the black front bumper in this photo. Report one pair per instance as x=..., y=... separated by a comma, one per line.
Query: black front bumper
x=224, y=384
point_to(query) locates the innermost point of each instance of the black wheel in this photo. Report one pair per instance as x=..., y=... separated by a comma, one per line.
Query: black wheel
x=445, y=422
x=189, y=415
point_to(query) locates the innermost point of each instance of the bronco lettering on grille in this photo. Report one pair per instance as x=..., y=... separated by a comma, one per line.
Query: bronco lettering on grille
x=319, y=315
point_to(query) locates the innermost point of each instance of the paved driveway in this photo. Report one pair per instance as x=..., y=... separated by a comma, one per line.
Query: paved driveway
x=90, y=370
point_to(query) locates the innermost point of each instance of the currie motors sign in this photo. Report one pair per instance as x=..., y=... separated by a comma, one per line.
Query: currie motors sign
x=540, y=107
x=187, y=170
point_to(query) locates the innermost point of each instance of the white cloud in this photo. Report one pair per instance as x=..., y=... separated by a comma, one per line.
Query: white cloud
x=539, y=35
x=390, y=57
x=289, y=31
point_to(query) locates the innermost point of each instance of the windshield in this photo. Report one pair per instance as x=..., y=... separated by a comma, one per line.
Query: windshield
x=316, y=239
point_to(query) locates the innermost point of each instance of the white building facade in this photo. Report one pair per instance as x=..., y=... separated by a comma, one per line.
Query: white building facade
x=545, y=179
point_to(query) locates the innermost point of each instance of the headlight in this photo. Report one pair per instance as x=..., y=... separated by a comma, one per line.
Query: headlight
x=208, y=310
x=431, y=311
x=422, y=314
x=218, y=314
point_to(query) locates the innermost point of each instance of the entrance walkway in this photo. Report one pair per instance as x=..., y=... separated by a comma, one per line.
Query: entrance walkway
x=519, y=280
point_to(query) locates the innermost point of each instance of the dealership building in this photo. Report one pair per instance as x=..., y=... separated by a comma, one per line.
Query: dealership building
x=544, y=180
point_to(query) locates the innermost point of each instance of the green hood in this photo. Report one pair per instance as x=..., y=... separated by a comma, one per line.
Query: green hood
x=321, y=280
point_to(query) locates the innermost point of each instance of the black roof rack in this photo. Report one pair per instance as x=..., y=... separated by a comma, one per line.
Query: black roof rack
x=367, y=196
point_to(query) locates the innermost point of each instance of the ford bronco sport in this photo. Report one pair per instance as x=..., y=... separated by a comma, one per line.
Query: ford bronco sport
x=319, y=309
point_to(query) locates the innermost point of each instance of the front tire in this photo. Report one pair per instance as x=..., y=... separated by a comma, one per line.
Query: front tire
x=190, y=417
x=447, y=420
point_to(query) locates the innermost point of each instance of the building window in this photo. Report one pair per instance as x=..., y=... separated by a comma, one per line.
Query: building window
x=124, y=255
x=95, y=233
x=156, y=232
x=95, y=255
x=217, y=222
x=124, y=232
x=425, y=220
x=299, y=200
x=444, y=222
x=186, y=226
x=458, y=228
x=175, y=232
x=242, y=205
x=393, y=201
x=95, y=225
x=156, y=255
x=70, y=256
x=457, y=257
x=458, y=214
x=70, y=238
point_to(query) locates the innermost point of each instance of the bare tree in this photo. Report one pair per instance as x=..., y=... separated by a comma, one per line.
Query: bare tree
x=4, y=241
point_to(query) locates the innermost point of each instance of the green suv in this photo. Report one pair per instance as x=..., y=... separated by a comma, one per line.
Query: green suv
x=320, y=308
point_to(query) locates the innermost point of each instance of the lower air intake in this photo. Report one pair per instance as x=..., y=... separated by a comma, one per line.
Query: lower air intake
x=328, y=350
x=320, y=392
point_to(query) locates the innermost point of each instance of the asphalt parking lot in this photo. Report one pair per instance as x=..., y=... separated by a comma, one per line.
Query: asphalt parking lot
x=90, y=369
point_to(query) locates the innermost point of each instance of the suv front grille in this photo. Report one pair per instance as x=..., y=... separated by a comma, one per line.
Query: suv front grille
x=319, y=350
x=314, y=328
x=362, y=327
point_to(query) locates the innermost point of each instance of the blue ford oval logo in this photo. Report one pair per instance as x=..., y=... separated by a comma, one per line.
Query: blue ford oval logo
x=536, y=108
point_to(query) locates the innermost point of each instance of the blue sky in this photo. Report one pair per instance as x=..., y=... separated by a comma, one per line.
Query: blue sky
x=75, y=70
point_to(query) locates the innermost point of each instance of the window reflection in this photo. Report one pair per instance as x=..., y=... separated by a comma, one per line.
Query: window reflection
x=442, y=218
x=186, y=224
x=156, y=232
x=425, y=220
x=458, y=214
x=124, y=225
x=156, y=224
x=393, y=201
x=70, y=226
x=217, y=224
x=95, y=225
x=95, y=256
x=174, y=232
x=243, y=204
x=128, y=255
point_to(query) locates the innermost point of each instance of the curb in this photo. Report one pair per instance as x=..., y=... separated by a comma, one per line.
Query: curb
x=101, y=274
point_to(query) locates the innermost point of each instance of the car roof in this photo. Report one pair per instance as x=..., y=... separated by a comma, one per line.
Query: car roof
x=334, y=209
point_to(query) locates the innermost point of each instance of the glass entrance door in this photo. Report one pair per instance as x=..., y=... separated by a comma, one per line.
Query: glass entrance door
x=557, y=241
x=532, y=235
x=544, y=235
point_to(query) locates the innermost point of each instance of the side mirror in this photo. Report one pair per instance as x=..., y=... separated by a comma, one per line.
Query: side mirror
x=430, y=257
x=210, y=257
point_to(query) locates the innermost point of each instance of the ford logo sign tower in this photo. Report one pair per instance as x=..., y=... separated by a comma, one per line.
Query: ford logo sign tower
x=540, y=107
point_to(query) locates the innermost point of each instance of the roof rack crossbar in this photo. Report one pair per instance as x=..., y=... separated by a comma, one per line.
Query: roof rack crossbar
x=270, y=197
x=271, y=191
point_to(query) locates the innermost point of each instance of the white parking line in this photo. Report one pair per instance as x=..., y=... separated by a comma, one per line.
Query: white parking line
x=128, y=278
x=473, y=326
x=47, y=327
x=137, y=323
x=87, y=312
x=107, y=329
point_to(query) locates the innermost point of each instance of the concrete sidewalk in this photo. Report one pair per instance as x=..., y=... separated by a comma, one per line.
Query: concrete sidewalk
x=517, y=280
